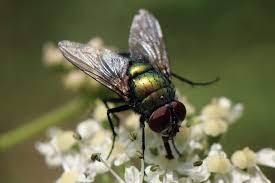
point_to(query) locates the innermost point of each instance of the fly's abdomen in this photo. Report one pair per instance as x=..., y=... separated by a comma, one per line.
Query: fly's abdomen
x=150, y=89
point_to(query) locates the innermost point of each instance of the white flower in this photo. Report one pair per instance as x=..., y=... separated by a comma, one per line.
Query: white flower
x=217, y=161
x=52, y=158
x=222, y=109
x=257, y=176
x=238, y=176
x=245, y=158
x=154, y=174
x=88, y=128
x=200, y=160
x=60, y=142
x=132, y=175
x=196, y=173
x=266, y=157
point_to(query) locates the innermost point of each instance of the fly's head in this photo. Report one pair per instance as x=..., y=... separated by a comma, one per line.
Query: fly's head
x=167, y=119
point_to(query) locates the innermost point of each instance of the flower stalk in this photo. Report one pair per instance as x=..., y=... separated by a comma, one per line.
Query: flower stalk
x=28, y=130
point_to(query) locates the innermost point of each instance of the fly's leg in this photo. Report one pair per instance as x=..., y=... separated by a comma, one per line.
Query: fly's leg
x=167, y=148
x=142, y=126
x=192, y=83
x=112, y=111
x=114, y=101
x=176, y=149
x=175, y=128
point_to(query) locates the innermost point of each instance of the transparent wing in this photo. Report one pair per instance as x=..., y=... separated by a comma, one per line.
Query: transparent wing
x=103, y=65
x=146, y=41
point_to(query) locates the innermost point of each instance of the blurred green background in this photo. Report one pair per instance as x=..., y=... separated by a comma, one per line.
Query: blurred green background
x=232, y=39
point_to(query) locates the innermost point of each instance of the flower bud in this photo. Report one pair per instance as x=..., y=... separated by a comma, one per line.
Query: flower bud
x=215, y=127
x=218, y=163
x=245, y=158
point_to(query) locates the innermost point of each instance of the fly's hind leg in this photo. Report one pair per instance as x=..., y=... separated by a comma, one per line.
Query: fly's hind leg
x=114, y=101
x=192, y=83
x=112, y=111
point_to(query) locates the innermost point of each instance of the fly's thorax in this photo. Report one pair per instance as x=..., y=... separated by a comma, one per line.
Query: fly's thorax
x=139, y=68
x=149, y=88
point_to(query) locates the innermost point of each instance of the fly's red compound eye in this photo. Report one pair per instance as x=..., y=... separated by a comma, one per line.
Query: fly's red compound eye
x=159, y=119
x=179, y=110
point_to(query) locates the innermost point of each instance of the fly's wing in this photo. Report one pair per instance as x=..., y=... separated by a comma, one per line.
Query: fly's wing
x=146, y=42
x=105, y=66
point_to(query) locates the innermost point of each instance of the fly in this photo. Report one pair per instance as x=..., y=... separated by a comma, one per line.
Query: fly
x=142, y=79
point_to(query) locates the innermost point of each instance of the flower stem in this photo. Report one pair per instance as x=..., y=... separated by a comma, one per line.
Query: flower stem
x=61, y=114
x=118, y=178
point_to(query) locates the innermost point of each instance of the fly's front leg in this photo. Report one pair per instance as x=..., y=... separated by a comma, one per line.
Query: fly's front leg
x=112, y=111
x=167, y=148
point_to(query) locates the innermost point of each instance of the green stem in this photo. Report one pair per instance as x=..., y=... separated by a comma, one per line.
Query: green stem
x=63, y=113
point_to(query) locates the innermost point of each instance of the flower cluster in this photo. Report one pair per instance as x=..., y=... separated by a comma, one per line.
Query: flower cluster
x=82, y=153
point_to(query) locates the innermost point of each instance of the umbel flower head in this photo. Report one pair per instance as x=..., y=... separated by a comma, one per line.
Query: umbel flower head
x=202, y=159
x=82, y=152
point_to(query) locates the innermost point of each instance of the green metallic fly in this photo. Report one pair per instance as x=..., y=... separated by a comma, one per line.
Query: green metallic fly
x=141, y=78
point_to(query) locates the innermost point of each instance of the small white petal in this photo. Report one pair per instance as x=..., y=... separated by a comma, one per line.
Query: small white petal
x=215, y=149
x=132, y=175
x=224, y=102
x=170, y=177
x=196, y=173
x=97, y=167
x=221, y=178
x=122, y=158
x=54, y=161
x=238, y=176
x=195, y=145
x=266, y=157
x=87, y=128
x=236, y=113
x=45, y=148
x=185, y=180
x=85, y=178
x=257, y=176
x=153, y=176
